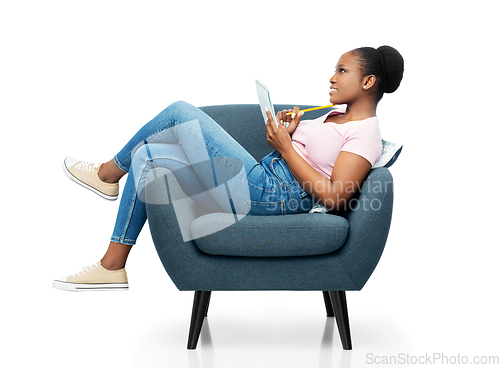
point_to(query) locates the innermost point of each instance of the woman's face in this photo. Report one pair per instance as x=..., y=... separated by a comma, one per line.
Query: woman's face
x=347, y=82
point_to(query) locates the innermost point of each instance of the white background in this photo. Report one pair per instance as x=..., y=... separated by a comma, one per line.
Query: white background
x=78, y=78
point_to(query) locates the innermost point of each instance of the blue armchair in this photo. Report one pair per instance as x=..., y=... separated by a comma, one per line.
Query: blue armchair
x=332, y=253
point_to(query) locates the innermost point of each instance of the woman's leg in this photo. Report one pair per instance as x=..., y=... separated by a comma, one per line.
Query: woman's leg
x=131, y=219
x=116, y=256
x=164, y=129
x=109, y=172
x=201, y=154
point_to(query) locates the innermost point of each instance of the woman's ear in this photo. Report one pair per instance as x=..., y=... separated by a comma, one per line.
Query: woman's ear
x=369, y=82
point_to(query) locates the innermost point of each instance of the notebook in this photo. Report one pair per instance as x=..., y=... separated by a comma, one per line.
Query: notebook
x=264, y=100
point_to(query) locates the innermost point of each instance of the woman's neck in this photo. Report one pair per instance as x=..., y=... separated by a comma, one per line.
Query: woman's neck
x=360, y=111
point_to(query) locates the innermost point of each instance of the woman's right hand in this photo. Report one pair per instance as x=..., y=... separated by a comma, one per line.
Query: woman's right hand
x=292, y=119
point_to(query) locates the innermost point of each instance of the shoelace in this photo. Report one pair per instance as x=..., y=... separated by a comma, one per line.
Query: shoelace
x=86, y=270
x=87, y=166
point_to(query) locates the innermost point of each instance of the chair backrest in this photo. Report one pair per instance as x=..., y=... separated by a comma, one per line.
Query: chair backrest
x=246, y=124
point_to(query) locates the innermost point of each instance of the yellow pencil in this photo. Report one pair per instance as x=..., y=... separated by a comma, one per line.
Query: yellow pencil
x=313, y=108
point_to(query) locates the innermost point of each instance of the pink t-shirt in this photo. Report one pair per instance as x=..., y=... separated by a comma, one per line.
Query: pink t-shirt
x=320, y=143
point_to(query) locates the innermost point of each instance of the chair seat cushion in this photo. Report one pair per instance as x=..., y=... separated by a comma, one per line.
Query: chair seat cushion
x=269, y=236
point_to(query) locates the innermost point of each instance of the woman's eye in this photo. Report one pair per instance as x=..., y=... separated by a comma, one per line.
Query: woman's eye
x=341, y=70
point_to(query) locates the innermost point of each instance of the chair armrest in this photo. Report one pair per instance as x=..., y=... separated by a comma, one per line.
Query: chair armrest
x=369, y=215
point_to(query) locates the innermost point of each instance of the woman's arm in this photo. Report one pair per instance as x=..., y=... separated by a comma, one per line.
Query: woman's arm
x=347, y=176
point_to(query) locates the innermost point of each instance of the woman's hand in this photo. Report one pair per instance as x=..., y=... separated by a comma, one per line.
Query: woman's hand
x=290, y=119
x=279, y=137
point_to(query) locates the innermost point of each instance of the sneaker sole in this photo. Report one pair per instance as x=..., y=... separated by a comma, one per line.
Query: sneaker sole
x=78, y=181
x=68, y=286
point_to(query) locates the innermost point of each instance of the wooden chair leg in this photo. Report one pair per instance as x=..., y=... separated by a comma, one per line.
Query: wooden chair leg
x=340, y=309
x=208, y=304
x=328, y=304
x=200, y=307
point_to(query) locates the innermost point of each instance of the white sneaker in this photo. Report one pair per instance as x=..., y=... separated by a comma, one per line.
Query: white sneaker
x=85, y=174
x=93, y=278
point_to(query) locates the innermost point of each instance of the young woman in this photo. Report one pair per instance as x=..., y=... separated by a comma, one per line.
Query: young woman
x=322, y=160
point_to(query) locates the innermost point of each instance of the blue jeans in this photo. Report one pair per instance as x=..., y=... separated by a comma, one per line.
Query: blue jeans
x=210, y=166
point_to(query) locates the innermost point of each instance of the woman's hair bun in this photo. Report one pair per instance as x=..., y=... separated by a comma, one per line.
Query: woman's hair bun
x=393, y=65
x=386, y=63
